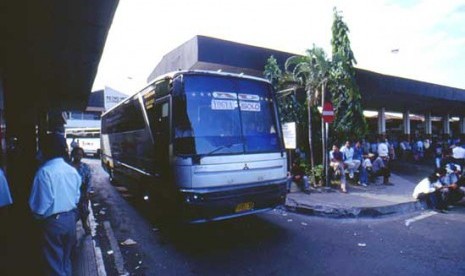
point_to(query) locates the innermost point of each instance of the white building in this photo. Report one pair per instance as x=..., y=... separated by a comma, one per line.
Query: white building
x=99, y=102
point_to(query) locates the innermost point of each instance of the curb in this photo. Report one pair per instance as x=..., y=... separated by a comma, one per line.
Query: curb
x=355, y=212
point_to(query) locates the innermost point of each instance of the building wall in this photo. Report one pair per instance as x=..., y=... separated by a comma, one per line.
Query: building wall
x=91, y=117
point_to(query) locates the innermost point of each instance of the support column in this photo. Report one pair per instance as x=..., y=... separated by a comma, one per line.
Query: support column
x=428, y=125
x=462, y=125
x=382, y=121
x=406, y=119
x=446, y=125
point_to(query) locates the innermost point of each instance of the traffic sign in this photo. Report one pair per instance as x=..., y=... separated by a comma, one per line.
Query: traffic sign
x=328, y=112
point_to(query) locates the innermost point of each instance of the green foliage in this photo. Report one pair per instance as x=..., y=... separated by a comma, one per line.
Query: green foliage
x=318, y=171
x=310, y=71
x=290, y=109
x=272, y=72
x=350, y=122
x=310, y=75
x=305, y=167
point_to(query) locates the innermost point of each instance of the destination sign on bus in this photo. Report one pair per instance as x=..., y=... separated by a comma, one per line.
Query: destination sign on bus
x=231, y=105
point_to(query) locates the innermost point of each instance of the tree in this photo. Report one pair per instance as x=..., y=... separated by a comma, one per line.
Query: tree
x=272, y=72
x=349, y=120
x=312, y=72
x=284, y=85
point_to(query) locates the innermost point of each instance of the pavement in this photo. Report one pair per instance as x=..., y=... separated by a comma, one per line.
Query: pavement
x=374, y=200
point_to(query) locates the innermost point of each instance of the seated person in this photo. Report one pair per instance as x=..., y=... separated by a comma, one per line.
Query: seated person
x=380, y=168
x=366, y=170
x=337, y=164
x=457, y=191
x=298, y=176
x=349, y=160
x=453, y=184
x=425, y=192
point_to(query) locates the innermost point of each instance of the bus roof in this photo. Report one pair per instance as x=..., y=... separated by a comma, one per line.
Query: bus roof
x=174, y=74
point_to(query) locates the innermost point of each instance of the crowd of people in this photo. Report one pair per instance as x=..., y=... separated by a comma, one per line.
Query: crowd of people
x=366, y=160
x=446, y=185
x=363, y=161
x=441, y=189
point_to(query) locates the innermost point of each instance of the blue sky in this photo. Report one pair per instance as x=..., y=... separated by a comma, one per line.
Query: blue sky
x=429, y=34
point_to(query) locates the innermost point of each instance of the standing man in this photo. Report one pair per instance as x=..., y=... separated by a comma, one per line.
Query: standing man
x=53, y=201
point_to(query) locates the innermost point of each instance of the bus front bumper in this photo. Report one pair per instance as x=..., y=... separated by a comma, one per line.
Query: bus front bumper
x=206, y=205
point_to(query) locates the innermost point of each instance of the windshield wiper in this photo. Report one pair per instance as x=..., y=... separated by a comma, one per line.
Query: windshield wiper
x=222, y=147
x=196, y=158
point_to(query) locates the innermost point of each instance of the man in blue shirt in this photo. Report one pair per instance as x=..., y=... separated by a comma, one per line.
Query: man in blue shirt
x=53, y=200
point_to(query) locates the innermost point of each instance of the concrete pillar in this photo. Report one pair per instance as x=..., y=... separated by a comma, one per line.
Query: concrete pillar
x=446, y=125
x=406, y=123
x=428, y=124
x=462, y=125
x=406, y=119
x=382, y=121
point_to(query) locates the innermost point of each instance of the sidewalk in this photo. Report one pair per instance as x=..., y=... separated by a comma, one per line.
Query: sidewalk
x=88, y=258
x=85, y=261
x=374, y=200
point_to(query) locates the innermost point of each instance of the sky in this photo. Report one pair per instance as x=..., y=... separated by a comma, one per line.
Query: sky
x=417, y=39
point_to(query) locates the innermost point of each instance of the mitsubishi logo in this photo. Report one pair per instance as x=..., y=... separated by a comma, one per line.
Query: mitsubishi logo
x=246, y=167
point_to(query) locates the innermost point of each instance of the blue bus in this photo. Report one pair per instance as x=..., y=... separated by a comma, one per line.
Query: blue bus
x=200, y=145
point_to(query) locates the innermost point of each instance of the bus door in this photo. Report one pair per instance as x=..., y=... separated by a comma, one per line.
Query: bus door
x=161, y=137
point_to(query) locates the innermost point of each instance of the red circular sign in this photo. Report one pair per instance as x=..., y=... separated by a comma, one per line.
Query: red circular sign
x=328, y=112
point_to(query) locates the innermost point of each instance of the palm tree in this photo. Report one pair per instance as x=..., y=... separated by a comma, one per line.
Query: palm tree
x=311, y=72
x=284, y=86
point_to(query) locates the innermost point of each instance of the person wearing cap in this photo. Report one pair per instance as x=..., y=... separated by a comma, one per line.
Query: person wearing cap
x=53, y=201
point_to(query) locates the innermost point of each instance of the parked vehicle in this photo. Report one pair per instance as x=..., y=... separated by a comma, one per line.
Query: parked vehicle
x=205, y=145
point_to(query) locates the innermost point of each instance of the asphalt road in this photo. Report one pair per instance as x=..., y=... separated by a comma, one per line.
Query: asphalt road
x=281, y=243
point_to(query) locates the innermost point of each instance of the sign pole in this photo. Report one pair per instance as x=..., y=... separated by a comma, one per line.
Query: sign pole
x=327, y=156
x=328, y=117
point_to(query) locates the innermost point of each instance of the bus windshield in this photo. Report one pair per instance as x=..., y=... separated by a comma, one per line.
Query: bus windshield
x=217, y=115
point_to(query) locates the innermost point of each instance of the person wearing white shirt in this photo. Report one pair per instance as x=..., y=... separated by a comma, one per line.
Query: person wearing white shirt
x=458, y=153
x=54, y=197
x=383, y=149
x=351, y=163
x=425, y=191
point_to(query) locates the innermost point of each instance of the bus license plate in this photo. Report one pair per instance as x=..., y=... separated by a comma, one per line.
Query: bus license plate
x=244, y=206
